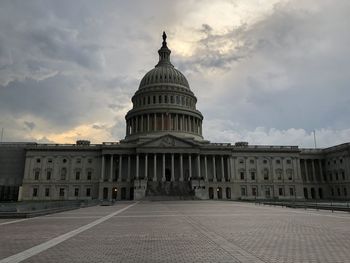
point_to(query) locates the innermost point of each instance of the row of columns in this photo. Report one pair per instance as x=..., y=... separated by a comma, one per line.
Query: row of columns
x=166, y=121
x=312, y=176
x=172, y=179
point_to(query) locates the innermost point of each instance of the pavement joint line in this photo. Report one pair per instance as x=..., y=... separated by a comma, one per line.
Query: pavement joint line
x=13, y=221
x=57, y=240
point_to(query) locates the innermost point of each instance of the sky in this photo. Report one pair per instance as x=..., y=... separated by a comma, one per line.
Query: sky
x=265, y=72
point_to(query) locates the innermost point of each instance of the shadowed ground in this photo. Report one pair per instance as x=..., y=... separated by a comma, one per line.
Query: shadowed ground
x=183, y=231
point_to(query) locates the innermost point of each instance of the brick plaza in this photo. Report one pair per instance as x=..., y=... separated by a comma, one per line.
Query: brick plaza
x=178, y=231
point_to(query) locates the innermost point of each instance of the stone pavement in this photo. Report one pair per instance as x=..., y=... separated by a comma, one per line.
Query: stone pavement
x=179, y=231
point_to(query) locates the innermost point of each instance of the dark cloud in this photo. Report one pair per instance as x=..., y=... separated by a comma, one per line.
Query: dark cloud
x=64, y=64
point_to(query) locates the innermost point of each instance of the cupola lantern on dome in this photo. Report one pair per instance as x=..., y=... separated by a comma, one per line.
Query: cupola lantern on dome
x=163, y=104
x=164, y=54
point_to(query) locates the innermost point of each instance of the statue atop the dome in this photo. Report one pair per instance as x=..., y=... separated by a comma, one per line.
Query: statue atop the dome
x=164, y=38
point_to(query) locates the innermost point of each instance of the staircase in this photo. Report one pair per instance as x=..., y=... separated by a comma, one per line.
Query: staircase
x=157, y=191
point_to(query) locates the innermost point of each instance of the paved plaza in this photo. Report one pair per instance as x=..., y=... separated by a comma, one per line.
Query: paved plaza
x=178, y=231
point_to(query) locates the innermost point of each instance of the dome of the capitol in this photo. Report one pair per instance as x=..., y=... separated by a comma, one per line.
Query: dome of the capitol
x=164, y=75
x=164, y=103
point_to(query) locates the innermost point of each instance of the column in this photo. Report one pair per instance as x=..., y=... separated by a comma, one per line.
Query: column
x=228, y=169
x=126, y=128
x=146, y=167
x=162, y=121
x=306, y=171
x=137, y=166
x=163, y=168
x=181, y=169
x=177, y=122
x=155, y=122
x=155, y=167
x=172, y=168
x=320, y=167
x=141, y=124
x=198, y=166
x=223, y=179
x=214, y=169
x=120, y=168
x=189, y=167
x=148, y=124
x=129, y=168
x=111, y=170
x=205, y=169
x=137, y=123
x=103, y=168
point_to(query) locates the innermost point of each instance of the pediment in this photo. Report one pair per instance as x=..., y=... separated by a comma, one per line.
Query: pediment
x=169, y=141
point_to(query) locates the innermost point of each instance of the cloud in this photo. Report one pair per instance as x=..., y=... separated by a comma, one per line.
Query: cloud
x=266, y=72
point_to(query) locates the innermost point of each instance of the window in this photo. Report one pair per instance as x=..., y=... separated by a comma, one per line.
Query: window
x=160, y=99
x=77, y=175
x=254, y=191
x=49, y=160
x=291, y=191
x=38, y=160
x=251, y=161
x=341, y=160
x=63, y=173
x=252, y=174
x=332, y=191
x=78, y=160
x=329, y=162
x=76, y=192
x=280, y=191
x=36, y=175
x=47, y=192
x=89, y=160
x=343, y=175
x=265, y=161
x=48, y=175
x=278, y=161
x=88, y=191
x=335, y=161
x=171, y=99
x=345, y=192
x=64, y=160
x=279, y=174
x=243, y=192
x=289, y=161
x=61, y=192
x=336, y=177
x=242, y=175
x=338, y=191
x=266, y=174
x=89, y=175
x=290, y=174
x=165, y=99
x=35, y=192
x=330, y=177
x=241, y=161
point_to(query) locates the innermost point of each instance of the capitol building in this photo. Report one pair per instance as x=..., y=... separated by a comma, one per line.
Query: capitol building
x=164, y=155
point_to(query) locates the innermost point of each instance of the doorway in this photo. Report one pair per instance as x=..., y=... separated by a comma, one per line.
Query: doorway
x=211, y=193
x=167, y=175
x=114, y=193
x=131, y=193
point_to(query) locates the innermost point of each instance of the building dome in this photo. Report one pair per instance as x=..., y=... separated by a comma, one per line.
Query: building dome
x=164, y=103
x=164, y=75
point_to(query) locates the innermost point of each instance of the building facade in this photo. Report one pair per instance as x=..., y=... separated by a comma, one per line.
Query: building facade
x=165, y=154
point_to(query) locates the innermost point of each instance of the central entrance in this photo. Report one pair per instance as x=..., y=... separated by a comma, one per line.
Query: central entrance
x=167, y=175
